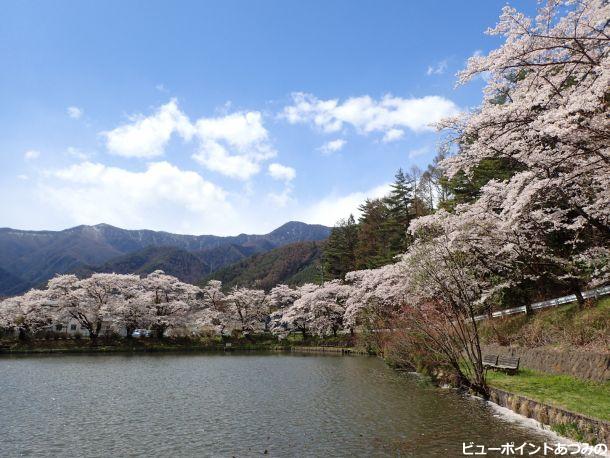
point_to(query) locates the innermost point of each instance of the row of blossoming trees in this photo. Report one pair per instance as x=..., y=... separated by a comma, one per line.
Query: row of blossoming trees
x=544, y=117
x=164, y=304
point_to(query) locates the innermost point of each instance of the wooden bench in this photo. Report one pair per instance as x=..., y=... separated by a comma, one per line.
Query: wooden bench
x=490, y=360
x=508, y=364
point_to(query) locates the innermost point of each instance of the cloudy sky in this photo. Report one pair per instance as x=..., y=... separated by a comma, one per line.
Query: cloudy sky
x=223, y=117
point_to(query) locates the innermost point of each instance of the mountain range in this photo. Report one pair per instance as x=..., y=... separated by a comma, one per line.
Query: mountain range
x=29, y=258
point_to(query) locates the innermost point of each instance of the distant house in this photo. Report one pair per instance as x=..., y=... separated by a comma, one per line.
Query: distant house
x=71, y=328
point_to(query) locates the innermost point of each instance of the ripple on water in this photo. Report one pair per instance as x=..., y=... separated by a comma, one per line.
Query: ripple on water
x=234, y=405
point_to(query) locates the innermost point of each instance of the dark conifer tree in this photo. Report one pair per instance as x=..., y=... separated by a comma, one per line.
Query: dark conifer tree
x=340, y=250
x=400, y=209
x=374, y=248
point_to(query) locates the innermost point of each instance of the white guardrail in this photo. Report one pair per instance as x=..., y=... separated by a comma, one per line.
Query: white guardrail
x=597, y=292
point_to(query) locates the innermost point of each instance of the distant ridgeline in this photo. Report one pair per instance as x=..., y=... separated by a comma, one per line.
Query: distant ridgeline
x=29, y=258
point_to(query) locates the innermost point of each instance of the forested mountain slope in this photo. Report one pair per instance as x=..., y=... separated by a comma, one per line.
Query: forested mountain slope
x=292, y=264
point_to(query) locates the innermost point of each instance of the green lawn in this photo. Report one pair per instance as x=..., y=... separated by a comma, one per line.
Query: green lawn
x=581, y=396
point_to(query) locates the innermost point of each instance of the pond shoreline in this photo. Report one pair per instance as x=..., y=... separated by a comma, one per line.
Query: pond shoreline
x=181, y=348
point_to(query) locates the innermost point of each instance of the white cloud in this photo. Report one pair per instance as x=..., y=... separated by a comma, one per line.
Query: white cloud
x=333, y=146
x=285, y=174
x=281, y=199
x=437, y=69
x=233, y=145
x=75, y=112
x=76, y=153
x=330, y=209
x=160, y=196
x=368, y=115
x=215, y=157
x=146, y=137
x=31, y=154
x=282, y=172
x=23, y=177
x=393, y=135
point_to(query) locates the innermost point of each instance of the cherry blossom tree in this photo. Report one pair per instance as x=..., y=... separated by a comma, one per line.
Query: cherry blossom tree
x=545, y=113
x=8, y=308
x=445, y=292
x=169, y=301
x=128, y=309
x=215, y=312
x=327, y=307
x=319, y=309
x=283, y=296
x=207, y=320
x=248, y=308
x=103, y=297
x=28, y=314
x=375, y=297
x=297, y=316
x=276, y=326
x=213, y=297
x=83, y=300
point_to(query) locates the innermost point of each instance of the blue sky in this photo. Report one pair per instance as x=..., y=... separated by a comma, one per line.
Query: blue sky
x=227, y=116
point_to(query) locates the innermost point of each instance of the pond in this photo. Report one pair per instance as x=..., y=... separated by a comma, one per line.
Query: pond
x=235, y=405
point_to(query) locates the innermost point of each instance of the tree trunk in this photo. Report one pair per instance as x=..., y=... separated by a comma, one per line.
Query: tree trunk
x=528, y=303
x=479, y=388
x=129, y=331
x=93, y=337
x=578, y=293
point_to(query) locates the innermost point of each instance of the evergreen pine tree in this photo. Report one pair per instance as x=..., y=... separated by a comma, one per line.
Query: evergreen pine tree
x=400, y=211
x=340, y=251
x=374, y=248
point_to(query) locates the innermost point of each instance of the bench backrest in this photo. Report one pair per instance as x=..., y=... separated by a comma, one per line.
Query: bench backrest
x=508, y=361
x=490, y=359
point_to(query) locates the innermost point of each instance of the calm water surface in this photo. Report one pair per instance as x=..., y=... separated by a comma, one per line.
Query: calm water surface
x=234, y=405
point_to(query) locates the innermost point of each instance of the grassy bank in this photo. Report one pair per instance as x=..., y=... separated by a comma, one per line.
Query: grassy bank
x=562, y=327
x=586, y=397
x=565, y=327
